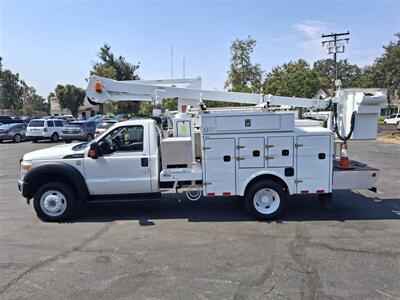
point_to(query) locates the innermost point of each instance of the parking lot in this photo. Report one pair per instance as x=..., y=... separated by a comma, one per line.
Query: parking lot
x=209, y=249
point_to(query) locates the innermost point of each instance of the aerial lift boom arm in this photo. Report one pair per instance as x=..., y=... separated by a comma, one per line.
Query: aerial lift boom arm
x=101, y=90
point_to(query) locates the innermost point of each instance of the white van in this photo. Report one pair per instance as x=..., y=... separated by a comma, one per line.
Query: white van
x=40, y=129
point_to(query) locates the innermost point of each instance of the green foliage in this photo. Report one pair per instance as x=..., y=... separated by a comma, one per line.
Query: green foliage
x=171, y=104
x=146, y=109
x=119, y=69
x=293, y=79
x=385, y=72
x=70, y=97
x=15, y=92
x=12, y=90
x=243, y=75
x=349, y=74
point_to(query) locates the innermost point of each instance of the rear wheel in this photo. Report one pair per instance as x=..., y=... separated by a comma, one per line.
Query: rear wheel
x=34, y=140
x=54, y=202
x=265, y=199
x=67, y=141
x=17, y=138
x=54, y=137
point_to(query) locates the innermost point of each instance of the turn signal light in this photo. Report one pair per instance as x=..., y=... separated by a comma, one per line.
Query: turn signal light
x=26, y=166
x=98, y=87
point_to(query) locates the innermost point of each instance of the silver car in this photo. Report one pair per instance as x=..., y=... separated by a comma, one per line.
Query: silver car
x=14, y=132
x=83, y=131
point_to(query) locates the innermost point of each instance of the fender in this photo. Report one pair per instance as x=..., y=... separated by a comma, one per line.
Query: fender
x=55, y=168
x=289, y=183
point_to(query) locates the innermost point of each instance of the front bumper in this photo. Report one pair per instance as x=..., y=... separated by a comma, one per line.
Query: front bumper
x=23, y=189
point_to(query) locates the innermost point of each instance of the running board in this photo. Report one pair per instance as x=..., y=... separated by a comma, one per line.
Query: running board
x=125, y=198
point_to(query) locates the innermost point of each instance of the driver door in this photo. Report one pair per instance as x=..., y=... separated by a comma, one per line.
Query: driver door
x=124, y=167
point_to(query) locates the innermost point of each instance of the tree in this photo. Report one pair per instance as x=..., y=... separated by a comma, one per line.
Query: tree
x=70, y=97
x=349, y=74
x=243, y=75
x=12, y=90
x=171, y=104
x=385, y=72
x=118, y=69
x=293, y=79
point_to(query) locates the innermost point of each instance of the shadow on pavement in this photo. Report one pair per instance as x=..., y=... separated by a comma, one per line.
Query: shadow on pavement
x=346, y=206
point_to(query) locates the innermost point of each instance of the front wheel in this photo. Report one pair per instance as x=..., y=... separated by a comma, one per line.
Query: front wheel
x=265, y=199
x=54, y=202
x=54, y=137
x=17, y=138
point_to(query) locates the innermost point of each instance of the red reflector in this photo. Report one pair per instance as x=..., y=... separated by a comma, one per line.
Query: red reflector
x=373, y=174
x=226, y=194
x=320, y=191
x=210, y=194
x=304, y=192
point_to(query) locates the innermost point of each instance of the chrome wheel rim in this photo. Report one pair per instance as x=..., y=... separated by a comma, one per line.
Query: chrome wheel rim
x=53, y=203
x=17, y=138
x=266, y=201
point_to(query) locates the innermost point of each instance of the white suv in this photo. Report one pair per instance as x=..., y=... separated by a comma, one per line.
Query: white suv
x=40, y=129
x=392, y=119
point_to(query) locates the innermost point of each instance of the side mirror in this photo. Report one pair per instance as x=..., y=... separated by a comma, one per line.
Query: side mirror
x=94, y=151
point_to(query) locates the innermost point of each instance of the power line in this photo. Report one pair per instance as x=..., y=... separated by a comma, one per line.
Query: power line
x=335, y=45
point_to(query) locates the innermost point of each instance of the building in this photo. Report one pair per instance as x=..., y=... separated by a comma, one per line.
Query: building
x=87, y=110
x=324, y=93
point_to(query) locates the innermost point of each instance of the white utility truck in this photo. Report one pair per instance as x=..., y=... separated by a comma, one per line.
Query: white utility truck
x=258, y=153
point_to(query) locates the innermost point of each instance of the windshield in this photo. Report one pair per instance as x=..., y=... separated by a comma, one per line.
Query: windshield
x=36, y=123
x=105, y=125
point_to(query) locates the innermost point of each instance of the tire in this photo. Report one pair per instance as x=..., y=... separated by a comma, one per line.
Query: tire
x=34, y=141
x=17, y=138
x=89, y=137
x=265, y=199
x=55, y=202
x=54, y=137
x=67, y=141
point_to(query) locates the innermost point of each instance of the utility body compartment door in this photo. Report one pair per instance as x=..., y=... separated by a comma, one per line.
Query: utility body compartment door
x=280, y=152
x=314, y=164
x=219, y=167
x=251, y=152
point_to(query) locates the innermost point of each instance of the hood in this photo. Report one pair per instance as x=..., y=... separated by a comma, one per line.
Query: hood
x=56, y=152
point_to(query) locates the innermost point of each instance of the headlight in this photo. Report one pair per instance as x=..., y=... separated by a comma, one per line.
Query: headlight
x=25, y=166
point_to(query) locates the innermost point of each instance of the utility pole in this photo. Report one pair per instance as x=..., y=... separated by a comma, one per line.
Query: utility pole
x=335, y=45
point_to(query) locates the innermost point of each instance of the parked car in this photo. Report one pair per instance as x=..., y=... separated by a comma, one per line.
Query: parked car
x=103, y=126
x=97, y=118
x=68, y=118
x=392, y=119
x=121, y=117
x=83, y=131
x=15, y=132
x=9, y=120
x=40, y=129
x=26, y=119
x=398, y=125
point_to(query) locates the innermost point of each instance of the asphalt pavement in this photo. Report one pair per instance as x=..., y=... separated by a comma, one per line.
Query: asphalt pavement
x=209, y=249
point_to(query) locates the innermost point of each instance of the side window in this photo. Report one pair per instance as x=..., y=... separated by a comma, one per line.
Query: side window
x=129, y=138
x=50, y=123
x=58, y=123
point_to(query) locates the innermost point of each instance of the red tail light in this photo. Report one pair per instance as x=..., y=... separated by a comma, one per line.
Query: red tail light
x=97, y=133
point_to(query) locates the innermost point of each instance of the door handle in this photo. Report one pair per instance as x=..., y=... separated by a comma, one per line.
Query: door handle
x=144, y=161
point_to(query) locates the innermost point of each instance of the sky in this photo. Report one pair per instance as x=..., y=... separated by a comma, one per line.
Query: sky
x=50, y=42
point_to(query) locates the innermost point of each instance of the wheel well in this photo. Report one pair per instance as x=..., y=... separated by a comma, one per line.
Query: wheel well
x=267, y=177
x=51, y=177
